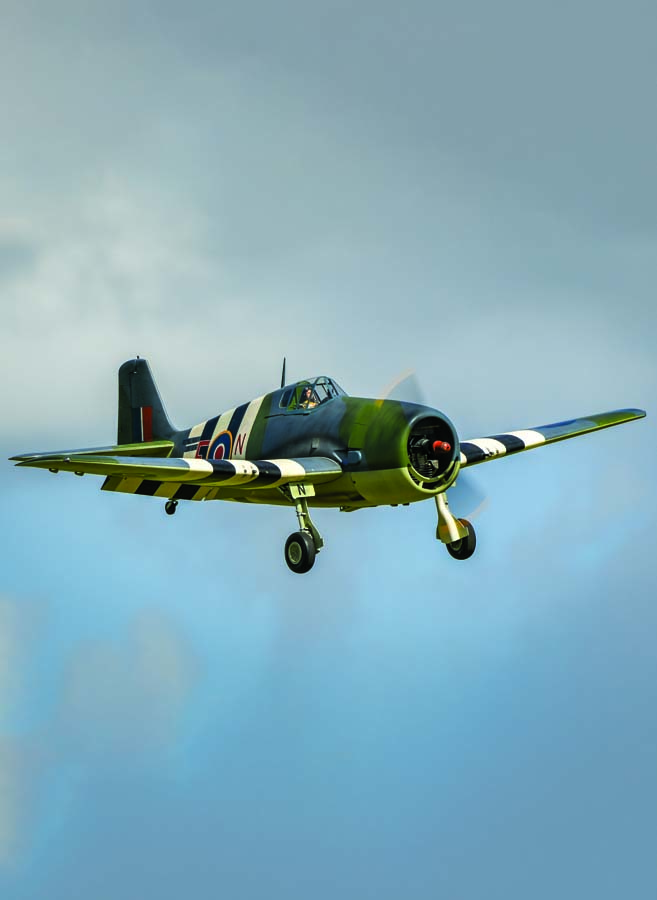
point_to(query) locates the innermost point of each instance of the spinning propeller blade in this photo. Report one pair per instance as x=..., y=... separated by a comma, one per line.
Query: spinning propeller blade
x=468, y=499
x=405, y=387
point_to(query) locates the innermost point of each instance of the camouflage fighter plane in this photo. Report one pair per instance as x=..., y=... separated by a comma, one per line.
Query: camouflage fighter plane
x=307, y=444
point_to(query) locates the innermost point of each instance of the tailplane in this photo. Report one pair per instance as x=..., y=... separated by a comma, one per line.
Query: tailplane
x=142, y=416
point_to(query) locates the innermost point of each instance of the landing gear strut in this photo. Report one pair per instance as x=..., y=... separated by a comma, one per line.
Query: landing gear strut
x=458, y=535
x=302, y=546
x=170, y=507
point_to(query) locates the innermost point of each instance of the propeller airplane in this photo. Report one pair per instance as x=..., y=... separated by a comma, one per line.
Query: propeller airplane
x=306, y=445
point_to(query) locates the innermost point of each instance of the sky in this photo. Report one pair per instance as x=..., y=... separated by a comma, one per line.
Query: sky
x=468, y=191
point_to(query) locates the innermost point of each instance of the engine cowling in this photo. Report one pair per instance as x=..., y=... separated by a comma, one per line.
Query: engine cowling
x=411, y=452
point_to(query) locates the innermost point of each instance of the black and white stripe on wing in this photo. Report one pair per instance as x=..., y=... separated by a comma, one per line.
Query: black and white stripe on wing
x=481, y=449
x=216, y=474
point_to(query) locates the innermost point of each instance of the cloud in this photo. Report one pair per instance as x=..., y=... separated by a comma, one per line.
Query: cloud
x=127, y=695
x=246, y=190
x=14, y=789
x=21, y=627
x=114, y=697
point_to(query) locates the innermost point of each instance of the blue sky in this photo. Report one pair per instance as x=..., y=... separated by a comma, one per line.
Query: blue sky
x=469, y=192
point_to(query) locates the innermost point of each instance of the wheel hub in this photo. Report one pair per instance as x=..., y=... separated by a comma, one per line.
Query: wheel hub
x=294, y=553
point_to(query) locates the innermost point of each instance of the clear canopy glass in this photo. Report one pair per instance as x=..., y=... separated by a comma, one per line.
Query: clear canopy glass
x=310, y=393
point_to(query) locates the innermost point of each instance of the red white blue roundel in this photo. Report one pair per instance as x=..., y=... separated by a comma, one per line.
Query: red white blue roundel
x=221, y=446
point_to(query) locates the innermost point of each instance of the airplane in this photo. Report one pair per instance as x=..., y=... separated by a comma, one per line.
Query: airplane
x=306, y=445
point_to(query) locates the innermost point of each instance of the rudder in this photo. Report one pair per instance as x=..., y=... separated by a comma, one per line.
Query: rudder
x=142, y=416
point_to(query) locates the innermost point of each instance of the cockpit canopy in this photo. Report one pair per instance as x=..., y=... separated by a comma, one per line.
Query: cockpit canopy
x=309, y=394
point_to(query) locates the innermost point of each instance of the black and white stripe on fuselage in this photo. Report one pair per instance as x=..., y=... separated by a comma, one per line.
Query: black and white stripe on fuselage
x=205, y=439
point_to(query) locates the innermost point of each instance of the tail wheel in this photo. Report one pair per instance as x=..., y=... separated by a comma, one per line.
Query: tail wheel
x=300, y=552
x=170, y=507
x=465, y=547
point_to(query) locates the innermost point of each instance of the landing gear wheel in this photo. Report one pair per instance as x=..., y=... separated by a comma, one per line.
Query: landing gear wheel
x=300, y=552
x=465, y=547
x=170, y=507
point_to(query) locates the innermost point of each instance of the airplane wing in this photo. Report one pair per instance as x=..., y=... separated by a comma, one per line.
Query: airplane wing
x=150, y=448
x=163, y=476
x=479, y=450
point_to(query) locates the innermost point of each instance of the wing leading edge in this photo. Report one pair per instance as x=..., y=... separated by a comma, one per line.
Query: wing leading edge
x=479, y=450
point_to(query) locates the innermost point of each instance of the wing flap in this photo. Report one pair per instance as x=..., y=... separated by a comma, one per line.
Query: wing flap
x=479, y=450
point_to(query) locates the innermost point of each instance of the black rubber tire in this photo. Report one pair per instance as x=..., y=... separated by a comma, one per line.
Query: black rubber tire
x=300, y=552
x=170, y=507
x=464, y=548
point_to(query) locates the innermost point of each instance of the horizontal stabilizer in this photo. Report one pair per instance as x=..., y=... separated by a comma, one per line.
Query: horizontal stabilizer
x=479, y=450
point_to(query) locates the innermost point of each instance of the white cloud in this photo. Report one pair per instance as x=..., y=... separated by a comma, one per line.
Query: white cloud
x=14, y=780
x=127, y=694
x=116, y=696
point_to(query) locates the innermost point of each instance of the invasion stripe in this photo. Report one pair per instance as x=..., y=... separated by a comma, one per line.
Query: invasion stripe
x=268, y=472
x=482, y=449
x=186, y=492
x=289, y=468
x=190, y=443
x=147, y=488
x=236, y=420
x=209, y=478
x=196, y=431
x=246, y=427
x=222, y=424
x=121, y=483
x=470, y=454
x=530, y=437
x=202, y=493
x=202, y=466
x=243, y=471
x=208, y=428
x=511, y=442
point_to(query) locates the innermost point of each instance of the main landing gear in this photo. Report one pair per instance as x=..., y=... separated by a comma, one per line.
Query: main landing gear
x=458, y=535
x=302, y=546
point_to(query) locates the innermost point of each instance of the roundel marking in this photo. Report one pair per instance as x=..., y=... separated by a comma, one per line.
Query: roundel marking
x=221, y=446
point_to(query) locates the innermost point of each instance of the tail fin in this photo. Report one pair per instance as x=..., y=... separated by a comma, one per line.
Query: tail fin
x=142, y=416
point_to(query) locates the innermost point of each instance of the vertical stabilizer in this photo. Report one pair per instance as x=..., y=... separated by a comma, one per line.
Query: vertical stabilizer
x=142, y=416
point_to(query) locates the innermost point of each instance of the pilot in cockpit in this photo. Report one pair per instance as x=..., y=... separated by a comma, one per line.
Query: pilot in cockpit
x=308, y=399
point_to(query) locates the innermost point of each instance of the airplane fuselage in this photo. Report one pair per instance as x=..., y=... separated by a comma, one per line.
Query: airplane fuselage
x=369, y=438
